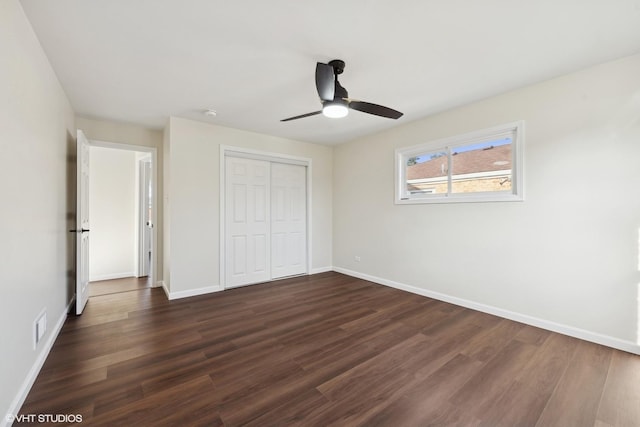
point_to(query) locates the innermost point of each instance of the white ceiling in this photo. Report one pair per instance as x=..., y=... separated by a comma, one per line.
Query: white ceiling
x=141, y=61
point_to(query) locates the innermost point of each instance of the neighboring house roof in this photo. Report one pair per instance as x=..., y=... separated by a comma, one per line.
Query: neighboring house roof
x=486, y=160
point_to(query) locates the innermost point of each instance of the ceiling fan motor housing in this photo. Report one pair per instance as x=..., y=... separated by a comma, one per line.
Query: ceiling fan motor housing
x=338, y=66
x=340, y=92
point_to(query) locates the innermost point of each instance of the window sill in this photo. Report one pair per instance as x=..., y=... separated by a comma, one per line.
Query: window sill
x=471, y=198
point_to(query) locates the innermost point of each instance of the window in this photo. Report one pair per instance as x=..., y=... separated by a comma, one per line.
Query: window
x=482, y=166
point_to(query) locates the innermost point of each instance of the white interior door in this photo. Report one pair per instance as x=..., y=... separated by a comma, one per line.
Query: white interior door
x=288, y=220
x=145, y=225
x=247, y=216
x=82, y=222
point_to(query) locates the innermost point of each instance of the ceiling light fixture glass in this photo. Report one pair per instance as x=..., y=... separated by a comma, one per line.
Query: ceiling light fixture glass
x=335, y=109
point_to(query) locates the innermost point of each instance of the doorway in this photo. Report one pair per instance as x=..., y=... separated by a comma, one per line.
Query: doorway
x=264, y=226
x=122, y=206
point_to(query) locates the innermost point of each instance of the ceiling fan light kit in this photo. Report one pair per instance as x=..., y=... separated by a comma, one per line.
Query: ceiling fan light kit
x=335, y=98
x=335, y=109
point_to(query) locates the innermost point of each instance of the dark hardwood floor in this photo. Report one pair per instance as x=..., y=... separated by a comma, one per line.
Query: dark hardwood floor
x=324, y=350
x=114, y=286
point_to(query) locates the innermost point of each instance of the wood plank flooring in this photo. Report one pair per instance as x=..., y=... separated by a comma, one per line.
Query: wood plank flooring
x=324, y=350
x=114, y=286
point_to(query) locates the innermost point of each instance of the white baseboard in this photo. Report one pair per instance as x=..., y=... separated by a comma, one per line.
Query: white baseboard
x=571, y=331
x=190, y=292
x=112, y=276
x=211, y=289
x=165, y=288
x=321, y=270
x=15, y=406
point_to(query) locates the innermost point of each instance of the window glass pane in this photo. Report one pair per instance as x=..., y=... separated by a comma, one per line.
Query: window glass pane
x=427, y=173
x=482, y=166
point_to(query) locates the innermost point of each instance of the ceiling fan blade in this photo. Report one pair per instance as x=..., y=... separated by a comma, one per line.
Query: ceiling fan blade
x=302, y=116
x=325, y=82
x=375, y=109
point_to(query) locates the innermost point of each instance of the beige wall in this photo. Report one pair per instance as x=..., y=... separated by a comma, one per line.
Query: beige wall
x=567, y=256
x=125, y=133
x=37, y=186
x=193, y=196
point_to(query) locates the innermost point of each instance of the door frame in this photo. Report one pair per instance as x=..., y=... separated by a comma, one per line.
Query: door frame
x=248, y=153
x=153, y=270
x=144, y=230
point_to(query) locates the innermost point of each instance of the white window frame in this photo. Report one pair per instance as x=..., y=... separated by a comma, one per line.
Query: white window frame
x=515, y=130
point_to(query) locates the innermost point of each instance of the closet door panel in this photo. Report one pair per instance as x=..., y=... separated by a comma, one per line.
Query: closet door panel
x=247, y=224
x=288, y=220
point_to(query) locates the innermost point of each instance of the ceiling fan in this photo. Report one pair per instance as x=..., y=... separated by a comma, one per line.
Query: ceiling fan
x=335, y=98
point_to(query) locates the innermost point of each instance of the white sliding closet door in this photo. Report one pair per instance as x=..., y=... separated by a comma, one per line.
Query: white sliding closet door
x=288, y=220
x=247, y=221
x=265, y=220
